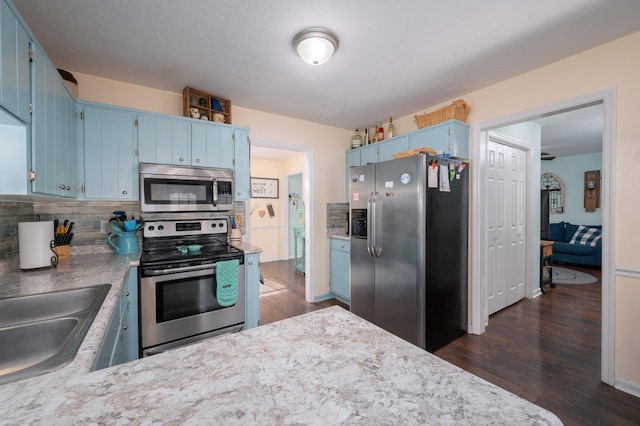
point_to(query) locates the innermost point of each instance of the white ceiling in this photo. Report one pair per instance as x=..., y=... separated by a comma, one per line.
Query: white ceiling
x=394, y=58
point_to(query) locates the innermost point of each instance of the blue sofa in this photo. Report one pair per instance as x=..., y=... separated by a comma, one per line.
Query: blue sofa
x=566, y=252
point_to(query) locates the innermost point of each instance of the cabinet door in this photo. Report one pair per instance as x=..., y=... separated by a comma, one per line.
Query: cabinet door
x=164, y=140
x=53, y=153
x=252, y=290
x=451, y=137
x=65, y=143
x=387, y=148
x=130, y=328
x=110, y=164
x=15, y=90
x=241, y=164
x=369, y=154
x=339, y=267
x=211, y=145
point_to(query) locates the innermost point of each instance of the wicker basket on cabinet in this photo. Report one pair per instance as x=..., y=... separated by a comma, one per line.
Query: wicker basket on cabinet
x=458, y=110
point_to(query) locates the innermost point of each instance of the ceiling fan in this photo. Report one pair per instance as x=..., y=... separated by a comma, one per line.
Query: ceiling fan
x=545, y=156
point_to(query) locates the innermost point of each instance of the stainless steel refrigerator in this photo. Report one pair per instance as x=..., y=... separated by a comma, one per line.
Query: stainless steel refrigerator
x=409, y=233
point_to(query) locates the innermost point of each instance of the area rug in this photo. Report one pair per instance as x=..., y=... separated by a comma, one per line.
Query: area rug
x=569, y=276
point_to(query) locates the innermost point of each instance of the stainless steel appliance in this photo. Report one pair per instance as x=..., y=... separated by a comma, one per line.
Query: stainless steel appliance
x=409, y=247
x=167, y=188
x=178, y=284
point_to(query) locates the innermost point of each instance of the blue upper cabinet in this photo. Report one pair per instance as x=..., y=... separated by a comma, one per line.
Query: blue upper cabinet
x=164, y=139
x=53, y=142
x=15, y=93
x=241, y=172
x=211, y=145
x=110, y=160
x=450, y=137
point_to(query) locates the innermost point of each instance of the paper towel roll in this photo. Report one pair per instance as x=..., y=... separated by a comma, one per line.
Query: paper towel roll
x=34, y=239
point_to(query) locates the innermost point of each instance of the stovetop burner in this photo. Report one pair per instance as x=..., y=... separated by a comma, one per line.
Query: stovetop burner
x=162, y=239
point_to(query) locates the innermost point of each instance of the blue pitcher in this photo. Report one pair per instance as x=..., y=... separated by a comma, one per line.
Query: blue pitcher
x=126, y=242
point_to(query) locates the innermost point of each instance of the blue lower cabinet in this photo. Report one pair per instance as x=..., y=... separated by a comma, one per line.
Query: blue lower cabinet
x=120, y=343
x=252, y=290
x=339, y=269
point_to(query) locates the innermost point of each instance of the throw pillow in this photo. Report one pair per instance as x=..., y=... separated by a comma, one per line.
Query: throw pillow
x=555, y=231
x=586, y=236
x=569, y=230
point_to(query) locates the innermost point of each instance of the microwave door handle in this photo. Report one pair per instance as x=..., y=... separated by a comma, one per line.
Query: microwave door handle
x=215, y=192
x=369, y=223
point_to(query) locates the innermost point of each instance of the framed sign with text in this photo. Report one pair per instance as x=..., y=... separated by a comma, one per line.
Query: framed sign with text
x=264, y=188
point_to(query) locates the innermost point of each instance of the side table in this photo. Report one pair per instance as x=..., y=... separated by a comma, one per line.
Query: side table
x=546, y=264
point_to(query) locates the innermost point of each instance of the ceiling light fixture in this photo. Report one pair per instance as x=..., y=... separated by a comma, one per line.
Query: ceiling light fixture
x=315, y=45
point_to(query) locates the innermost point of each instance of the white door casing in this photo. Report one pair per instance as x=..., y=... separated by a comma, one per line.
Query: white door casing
x=478, y=318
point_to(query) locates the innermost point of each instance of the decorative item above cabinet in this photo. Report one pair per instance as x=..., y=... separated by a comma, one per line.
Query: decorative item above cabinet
x=205, y=106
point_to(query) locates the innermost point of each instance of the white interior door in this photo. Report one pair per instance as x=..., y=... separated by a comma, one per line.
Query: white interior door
x=506, y=201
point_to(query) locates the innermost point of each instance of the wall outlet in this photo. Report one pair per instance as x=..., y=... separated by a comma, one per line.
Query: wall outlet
x=103, y=226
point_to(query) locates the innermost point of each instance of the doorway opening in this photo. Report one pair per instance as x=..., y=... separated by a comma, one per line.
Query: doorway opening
x=479, y=318
x=268, y=225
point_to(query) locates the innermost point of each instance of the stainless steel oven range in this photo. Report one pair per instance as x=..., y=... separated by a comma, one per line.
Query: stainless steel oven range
x=180, y=300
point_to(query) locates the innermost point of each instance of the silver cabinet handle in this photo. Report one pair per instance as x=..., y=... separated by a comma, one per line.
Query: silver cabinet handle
x=124, y=192
x=250, y=263
x=181, y=159
x=197, y=160
x=124, y=327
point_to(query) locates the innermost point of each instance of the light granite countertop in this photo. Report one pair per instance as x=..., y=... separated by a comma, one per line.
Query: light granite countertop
x=325, y=367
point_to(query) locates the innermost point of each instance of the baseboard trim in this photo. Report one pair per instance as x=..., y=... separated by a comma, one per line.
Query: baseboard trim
x=627, y=387
x=323, y=297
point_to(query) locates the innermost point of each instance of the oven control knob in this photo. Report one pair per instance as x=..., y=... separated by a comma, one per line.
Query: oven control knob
x=160, y=227
x=151, y=228
x=213, y=225
x=221, y=224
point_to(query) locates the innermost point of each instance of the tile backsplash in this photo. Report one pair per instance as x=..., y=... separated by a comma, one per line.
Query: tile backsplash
x=86, y=216
x=337, y=219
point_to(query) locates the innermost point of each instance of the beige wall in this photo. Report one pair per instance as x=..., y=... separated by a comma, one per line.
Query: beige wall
x=613, y=65
x=325, y=147
x=267, y=232
x=616, y=64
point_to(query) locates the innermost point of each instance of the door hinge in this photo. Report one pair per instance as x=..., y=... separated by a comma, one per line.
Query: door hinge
x=82, y=115
x=233, y=136
x=30, y=55
x=136, y=123
x=32, y=176
x=82, y=188
x=30, y=108
x=136, y=153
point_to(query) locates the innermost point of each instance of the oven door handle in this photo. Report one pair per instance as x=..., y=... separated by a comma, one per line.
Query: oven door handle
x=156, y=272
x=215, y=192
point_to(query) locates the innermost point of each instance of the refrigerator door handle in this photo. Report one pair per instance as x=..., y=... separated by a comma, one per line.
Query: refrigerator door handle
x=376, y=245
x=369, y=224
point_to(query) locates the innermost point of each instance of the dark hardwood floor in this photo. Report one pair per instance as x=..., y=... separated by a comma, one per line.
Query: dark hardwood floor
x=545, y=350
x=282, y=295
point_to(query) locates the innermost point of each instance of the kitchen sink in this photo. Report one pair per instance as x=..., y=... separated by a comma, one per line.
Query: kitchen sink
x=42, y=332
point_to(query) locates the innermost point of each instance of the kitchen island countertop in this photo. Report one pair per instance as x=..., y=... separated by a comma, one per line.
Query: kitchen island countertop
x=324, y=367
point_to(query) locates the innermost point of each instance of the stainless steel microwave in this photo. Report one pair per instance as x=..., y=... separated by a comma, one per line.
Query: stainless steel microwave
x=167, y=188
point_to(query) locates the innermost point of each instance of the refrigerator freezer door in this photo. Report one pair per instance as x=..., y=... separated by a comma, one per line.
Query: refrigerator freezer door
x=399, y=236
x=362, y=263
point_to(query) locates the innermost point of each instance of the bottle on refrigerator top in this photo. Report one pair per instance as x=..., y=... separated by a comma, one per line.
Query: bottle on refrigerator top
x=366, y=140
x=356, y=140
x=390, y=128
x=380, y=132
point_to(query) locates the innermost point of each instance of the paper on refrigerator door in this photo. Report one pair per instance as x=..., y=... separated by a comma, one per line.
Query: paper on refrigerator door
x=432, y=176
x=444, y=179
